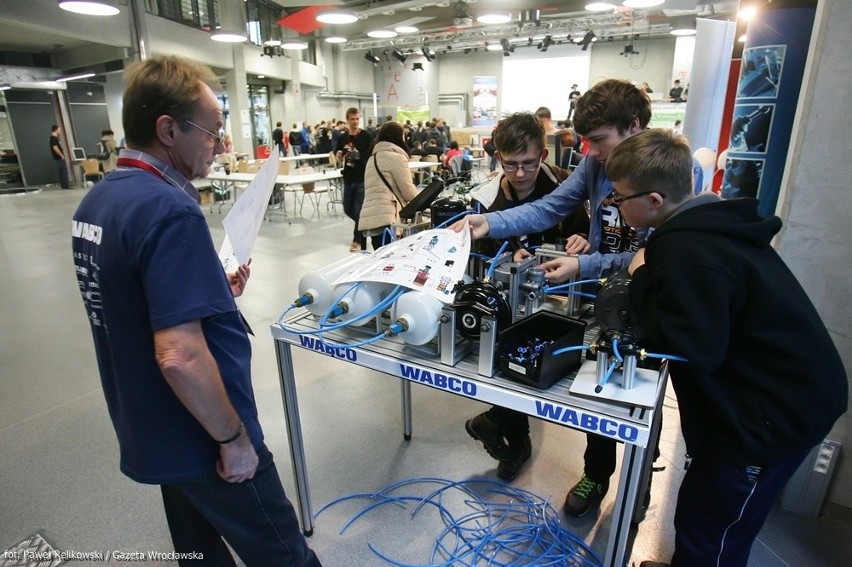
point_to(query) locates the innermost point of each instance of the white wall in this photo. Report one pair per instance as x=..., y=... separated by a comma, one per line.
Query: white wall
x=815, y=203
x=653, y=65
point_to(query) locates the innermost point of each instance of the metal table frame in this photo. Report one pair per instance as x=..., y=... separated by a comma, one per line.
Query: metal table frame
x=636, y=427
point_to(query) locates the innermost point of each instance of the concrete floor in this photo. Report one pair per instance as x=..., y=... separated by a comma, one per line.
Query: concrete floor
x=59, y=469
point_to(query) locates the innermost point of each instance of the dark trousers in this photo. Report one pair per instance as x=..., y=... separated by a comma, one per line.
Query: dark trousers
x=721, y=508
x=254, y=517
x=380, y=240
x=62, y=169
x=282, y=149
x=600, y=454
x=516, y=425
x=353, y=200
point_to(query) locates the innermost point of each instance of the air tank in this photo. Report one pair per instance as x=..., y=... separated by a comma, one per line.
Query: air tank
x=360, y=299
x=422, y=313
x=318, y=282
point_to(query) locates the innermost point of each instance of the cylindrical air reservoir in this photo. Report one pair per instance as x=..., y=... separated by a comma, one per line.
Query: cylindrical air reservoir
x=360, y=299
x=422, y=312
x=318, y=282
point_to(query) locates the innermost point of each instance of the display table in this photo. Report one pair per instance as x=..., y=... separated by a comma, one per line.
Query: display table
x=636, y=427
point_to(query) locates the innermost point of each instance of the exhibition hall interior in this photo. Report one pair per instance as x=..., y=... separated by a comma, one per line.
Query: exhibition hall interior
x=370, y=423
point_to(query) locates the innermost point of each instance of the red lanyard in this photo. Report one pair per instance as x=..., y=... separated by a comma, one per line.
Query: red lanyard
x=139, y=164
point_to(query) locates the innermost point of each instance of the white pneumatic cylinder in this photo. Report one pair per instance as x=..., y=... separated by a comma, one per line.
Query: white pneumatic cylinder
x=318, y=283
x=360, y=299
x=422, y=312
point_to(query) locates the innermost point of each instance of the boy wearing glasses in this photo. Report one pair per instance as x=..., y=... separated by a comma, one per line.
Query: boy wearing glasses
x=520, y=146
x=754, y=396
x=606, y=115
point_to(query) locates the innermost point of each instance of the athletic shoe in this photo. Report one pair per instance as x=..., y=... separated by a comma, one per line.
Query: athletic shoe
x=586, y=495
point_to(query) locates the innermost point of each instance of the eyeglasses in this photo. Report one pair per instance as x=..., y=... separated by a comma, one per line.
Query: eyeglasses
x=618, y=199
x=219, y=138
x=526, y=166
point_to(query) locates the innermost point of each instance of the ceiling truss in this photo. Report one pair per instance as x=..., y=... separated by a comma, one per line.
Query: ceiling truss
x=616, y=25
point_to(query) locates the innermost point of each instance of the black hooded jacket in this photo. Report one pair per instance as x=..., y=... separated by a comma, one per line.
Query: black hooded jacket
x=763, y=379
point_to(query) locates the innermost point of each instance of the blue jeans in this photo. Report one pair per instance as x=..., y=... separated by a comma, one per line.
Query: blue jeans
x=254, y=517
x=721, y=508
x=353, y=200
x=62, y=169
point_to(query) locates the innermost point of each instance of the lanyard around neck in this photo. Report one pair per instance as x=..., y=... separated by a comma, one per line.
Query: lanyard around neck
x=139, y=164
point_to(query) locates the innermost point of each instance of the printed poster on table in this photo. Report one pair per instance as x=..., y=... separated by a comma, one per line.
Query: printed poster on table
x=432, y=261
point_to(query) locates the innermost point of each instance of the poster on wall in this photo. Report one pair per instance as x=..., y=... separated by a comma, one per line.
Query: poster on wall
x=767, y=95
x=415, y=115
x=484, y=101
x=760, y=73
x=742, y=177
x=750, y=128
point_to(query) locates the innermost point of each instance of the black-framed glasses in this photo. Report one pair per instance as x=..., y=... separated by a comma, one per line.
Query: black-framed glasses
x=526, y=166
x=618, y=199
x=219, y=138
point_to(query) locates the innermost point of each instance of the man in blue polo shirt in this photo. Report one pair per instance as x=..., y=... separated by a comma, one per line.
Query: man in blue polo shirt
x=172, y=348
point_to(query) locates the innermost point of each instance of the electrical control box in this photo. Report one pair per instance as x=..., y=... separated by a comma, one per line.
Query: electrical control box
x=806, y=489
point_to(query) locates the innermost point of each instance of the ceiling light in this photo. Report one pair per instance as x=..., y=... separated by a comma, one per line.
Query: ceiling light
x=294, y=44
x=629, y=50
x=374, y=59
x=747, y=13
x=642, y=3
x=90, y=7
x=418, y=67
x=337, y=17
x=261, y=76
x=335, y=39
x=74, y=77
x=382, y=34
x=494, y=47
x=233, y=23
x=494, y=19
x=406, y=29
x=428, y=53
x=398, y=55
x=683, y=32
x=599, y=7
x=742, y=38
x=272, y=42
x=586, y=40
x=5, y=86
x=227, y=37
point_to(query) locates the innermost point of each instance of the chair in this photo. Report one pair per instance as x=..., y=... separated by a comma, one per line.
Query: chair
x=433, y=159
x=92, y=168
x=415, y=158
x=331, y=164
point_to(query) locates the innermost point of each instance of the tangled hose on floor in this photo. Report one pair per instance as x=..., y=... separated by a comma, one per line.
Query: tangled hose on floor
x=486, y=523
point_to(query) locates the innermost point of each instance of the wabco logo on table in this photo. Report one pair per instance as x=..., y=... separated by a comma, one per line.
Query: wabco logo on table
x=588, y=422
x=331, y=350
x=449, y=383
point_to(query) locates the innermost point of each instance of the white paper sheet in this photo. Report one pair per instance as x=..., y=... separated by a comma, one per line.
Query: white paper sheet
x=243, y=221
x=432, y=261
